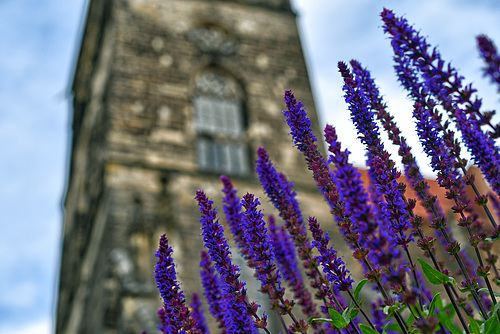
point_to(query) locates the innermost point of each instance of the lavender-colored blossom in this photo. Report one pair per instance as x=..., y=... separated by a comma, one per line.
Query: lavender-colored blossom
x=259, y=247
x=384, y=173
x=232, y=210
x=491, y=58
x=333, y=266
x=378, y=316
x=166, y=322
x=445, y=84
x=197, y=314
x=300, y=126
x=495, y=202
x=482, y=148
x=409, y=77
x=412, y=171
x=260, y=252
x=364, y=232
x=441, y=161
x=350, y=187
x=280, y=192
x=212, y=290
x=236, y=318
x=175, y=315
x=284, y=252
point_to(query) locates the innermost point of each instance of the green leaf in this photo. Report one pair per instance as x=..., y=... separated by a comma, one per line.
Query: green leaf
x=392, y=327
x=497, y=294
x=313, y=319
x=432, y=306
x=491, y=325
x=391, y=309
x=445, y=320
x=358, y=289
x=473, y=326
x=353, y=313
x=491, y=239
x=337, y=318
x=410, y=320
x=346, y=315
x=367, y=330
x=434, y=276
x=494, y=309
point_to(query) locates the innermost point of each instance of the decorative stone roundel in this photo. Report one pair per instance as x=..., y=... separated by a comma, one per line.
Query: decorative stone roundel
x=212, y=40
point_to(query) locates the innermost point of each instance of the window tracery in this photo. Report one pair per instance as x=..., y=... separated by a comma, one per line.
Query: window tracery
x=220, y=124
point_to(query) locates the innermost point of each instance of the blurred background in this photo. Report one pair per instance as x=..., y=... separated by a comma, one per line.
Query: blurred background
x=39, y=41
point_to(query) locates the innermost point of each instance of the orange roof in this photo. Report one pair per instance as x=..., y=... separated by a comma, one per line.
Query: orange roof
x=436, y=190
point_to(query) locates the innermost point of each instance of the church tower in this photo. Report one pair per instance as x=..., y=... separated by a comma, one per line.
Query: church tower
x=167, y=96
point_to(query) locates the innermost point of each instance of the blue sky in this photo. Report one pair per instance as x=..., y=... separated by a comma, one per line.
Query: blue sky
x=38, y=41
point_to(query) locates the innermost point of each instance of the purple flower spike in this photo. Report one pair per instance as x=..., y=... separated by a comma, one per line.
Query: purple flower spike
x=212, y=290
x=333, y=266
x=197, y=313
x=442, y=163
x=446, y=85
x=299, y=122
x=300, y=126
x=384, y=174
x=174, y=316
x=232, y=209
x=490, y=55
x=280, y=192
x=482, y=148
x=350, y=187
x=259, y=247
x=236, y=317
x=260, y=253
x=411, y=169
x=282, y=246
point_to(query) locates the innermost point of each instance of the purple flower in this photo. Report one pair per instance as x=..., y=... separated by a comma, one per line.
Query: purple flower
x=441, y=161
x=299, y=123
x=174, y=316
x=284, y=251
x=350, y=187
x=445, y=84
x=333, y=266
x=197, y=314
x=212, y=289
x=490, y=55
x=258, y=246
x=232, y=210
x=481, y=147
x=384, y=174
x=260, y=252
x=236, y=317
x=412, y=171
x=363, y=234
x=378, y=316
x=300, y=126
x=280, y=192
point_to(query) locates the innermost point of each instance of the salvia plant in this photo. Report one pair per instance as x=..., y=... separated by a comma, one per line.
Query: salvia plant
x=413, y=288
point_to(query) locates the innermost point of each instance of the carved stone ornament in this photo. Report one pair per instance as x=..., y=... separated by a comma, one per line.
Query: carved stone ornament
x=212, y=40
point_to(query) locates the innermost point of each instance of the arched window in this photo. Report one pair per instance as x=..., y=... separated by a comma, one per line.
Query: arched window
x=220, y=124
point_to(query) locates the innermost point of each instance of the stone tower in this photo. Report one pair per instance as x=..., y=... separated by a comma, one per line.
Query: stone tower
x=167, y=96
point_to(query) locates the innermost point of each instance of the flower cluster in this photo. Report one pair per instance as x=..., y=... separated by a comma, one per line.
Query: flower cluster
x=395, y=247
